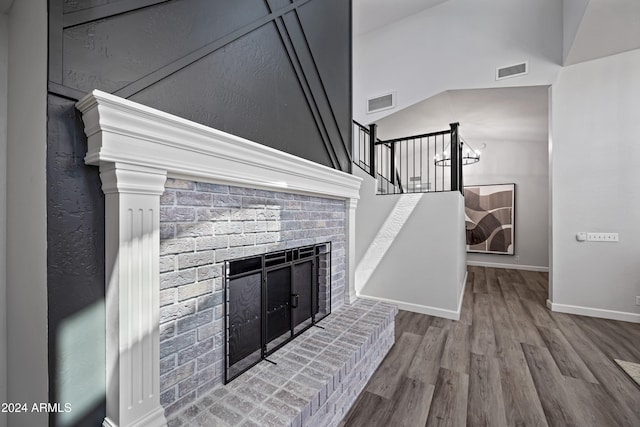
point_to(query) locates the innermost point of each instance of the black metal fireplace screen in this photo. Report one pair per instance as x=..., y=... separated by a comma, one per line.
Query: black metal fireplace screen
x=272, y=298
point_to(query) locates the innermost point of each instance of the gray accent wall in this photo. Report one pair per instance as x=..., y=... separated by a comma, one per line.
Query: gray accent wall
x=525, y=163
x=277, y=72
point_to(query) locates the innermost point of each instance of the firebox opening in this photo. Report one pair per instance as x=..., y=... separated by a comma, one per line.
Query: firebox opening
x=272, y=298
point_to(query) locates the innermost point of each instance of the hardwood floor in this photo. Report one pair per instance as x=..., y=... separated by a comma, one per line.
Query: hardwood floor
x=508, y=361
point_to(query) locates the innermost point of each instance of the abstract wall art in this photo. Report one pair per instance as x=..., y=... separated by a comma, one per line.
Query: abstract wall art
x=489, y=218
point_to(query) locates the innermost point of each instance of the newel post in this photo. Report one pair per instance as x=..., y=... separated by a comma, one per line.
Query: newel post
x=456, y=158
x=132, y=242
x=372, y=149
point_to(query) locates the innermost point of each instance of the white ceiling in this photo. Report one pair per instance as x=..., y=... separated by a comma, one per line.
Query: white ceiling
x=369, y=15
x=5, y=5
x=506, y=114
x=607, y=27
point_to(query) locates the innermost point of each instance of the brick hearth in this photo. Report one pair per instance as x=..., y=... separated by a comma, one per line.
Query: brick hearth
x=317, y=378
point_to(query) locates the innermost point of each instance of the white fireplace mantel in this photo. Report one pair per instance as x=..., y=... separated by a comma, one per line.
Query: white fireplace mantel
x=122, y=131
x=137, y=148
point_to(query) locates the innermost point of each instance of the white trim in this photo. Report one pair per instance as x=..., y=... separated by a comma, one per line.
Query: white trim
x=132, y=261
x=417, y=308
x=136, y=148
x=350, y=286
x=461, y=298
x=594, y=312
x=122, y=131
x=510, y=266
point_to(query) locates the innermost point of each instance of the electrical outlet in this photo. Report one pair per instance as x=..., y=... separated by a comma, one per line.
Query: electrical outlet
x=602, y=237
x=638, y=300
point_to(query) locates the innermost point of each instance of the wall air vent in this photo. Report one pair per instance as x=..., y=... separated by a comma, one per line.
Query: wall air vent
x=380, y=103
x=512, y=71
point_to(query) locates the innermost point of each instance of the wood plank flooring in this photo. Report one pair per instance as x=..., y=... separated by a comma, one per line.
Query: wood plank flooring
x=508, y=361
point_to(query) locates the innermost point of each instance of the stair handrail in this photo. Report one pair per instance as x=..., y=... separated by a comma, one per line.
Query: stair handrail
x=392, y=175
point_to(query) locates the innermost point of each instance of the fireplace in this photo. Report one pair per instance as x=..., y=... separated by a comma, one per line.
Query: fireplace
x=272, y=298
x=140, y=151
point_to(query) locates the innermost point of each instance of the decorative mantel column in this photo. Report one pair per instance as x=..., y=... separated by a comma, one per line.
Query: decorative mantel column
x=132, y=240
x=350, y=294
x=137, y=148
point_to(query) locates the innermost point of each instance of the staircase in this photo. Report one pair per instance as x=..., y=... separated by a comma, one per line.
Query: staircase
x=425, y=163
x=410, y=244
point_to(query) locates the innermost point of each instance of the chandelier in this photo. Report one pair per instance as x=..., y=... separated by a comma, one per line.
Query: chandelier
x=469, y=155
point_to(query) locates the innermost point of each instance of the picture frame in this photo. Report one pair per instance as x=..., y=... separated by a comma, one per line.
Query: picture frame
x=490, y=218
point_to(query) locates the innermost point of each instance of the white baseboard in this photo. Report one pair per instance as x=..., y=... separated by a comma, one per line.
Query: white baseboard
x=511, y=266
x=417, y=308
x=351, y=299
x=461, y=297
x=594, y=312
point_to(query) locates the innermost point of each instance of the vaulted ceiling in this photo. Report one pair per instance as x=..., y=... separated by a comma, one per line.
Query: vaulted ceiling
x=506, y=114
x=605, y=28
x=369, y=15
x=591, y=29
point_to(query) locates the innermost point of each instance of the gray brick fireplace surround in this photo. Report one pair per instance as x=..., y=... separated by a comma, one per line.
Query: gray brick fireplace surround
x=201, y=226
x=180, y=199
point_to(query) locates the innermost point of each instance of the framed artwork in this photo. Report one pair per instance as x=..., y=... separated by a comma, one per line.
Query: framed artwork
x=489, y=218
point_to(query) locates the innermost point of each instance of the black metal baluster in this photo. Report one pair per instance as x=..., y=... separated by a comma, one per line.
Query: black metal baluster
x=421, y=174
x=392, y=161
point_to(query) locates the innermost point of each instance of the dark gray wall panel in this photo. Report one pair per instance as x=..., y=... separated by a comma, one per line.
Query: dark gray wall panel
x=277, y=4
x=75, y=258
x=76, y=5
x=294, y=31
x=110, y=53
x=326, y=26
x=252, y=91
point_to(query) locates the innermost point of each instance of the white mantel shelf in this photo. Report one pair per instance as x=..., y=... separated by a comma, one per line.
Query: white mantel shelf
x=137, y=148
x=120, y=130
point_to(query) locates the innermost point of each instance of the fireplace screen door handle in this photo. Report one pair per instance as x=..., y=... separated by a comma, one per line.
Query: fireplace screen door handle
x=294, y=300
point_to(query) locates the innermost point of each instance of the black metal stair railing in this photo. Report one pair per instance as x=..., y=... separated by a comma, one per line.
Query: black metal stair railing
x=408, y=164
x=361, y=147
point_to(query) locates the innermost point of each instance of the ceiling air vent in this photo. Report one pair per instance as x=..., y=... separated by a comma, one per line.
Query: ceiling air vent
x=380, y=103
x=512, y=71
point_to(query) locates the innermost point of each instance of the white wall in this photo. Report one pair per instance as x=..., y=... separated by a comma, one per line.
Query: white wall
x=4, y=52
x=27, y=378
x=456, y=45
x=410, y=249
x=513, y=124
x=595, y=176
x=525, y=163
